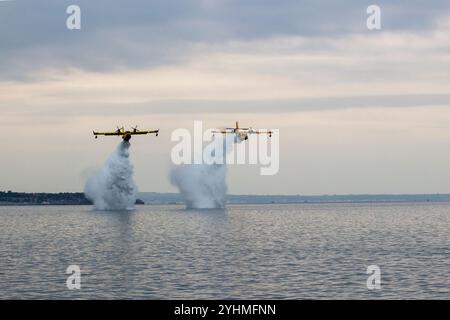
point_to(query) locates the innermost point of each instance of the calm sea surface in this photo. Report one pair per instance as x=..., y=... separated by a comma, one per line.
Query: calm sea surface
x=311, y=251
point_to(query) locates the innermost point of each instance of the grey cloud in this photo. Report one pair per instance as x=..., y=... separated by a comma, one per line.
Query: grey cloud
x=138, y=33
x=51, y=114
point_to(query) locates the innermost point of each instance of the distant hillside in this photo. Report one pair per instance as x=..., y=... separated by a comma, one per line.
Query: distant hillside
x=63, y=198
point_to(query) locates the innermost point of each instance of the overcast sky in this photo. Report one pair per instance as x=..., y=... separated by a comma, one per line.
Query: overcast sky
x=359, y=111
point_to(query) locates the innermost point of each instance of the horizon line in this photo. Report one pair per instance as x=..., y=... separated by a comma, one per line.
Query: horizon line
x=258, y=195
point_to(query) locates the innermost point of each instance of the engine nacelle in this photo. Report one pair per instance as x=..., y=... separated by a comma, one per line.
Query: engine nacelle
x=126, y=137
x=242, y=136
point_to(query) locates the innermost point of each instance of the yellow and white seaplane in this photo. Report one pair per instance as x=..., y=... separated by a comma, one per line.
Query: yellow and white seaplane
x=242, y=132
x=126, y=134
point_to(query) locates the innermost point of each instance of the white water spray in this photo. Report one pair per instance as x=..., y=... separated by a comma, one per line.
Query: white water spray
x=203, y=186
x=112, y=187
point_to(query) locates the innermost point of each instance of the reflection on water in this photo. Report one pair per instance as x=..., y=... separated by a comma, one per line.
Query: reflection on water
x=243, y=251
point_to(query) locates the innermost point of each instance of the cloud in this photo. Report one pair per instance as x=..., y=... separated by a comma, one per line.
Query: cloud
x=144, y=34
x=278, y=74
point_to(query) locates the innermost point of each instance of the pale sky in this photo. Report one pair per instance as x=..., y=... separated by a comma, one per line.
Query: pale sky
x=358, y=111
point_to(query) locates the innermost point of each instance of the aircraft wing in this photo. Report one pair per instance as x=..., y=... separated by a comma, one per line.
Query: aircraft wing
x=222, y=131
x=112, y=133
x=261, y=132
x=145, y=132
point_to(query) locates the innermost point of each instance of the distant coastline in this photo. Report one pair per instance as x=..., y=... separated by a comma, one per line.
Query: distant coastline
x=78, y=198
x=23, y=198
x=10, y=198
x=174, y=198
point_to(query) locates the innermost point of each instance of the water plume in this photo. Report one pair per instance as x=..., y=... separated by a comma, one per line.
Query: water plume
x=112, y=187
x=203, y=186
